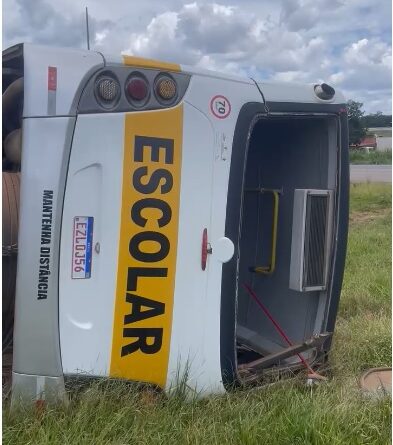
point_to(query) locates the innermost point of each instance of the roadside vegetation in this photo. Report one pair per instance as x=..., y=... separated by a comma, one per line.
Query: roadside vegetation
x=286, y=412
x=373, y=157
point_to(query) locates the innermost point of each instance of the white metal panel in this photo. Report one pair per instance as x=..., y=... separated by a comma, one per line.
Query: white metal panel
x=191, y=304
x=207, y=146
x=93, y=189
x=201, y=91
x=294, y=92
x=45, y=145
x=215, y=74
x=72, y=65
x=86, y=306
x=113, y=59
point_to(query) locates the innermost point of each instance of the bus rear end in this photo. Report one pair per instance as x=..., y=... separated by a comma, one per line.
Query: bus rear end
x=147, y=192
x=108, y=240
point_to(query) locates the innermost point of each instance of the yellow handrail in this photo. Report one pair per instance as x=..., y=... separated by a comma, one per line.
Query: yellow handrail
x=267, y=270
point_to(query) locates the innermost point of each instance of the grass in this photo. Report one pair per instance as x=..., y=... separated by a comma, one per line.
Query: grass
x=373, y=157
x=287, y=412
x=367, y=283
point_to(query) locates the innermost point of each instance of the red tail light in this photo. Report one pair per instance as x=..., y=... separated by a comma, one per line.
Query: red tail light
x=137, y=89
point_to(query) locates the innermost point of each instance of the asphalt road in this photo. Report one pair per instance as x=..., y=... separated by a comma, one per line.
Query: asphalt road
x=371, y=173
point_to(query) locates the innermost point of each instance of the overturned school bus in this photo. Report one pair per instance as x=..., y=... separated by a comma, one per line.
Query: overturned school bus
x=171, y=220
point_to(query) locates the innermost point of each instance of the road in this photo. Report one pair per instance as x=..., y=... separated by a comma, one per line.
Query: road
x=371, y=173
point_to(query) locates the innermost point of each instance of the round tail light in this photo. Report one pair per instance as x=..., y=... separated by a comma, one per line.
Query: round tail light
x=137, y=89
x=108, y=89
x=166, y=88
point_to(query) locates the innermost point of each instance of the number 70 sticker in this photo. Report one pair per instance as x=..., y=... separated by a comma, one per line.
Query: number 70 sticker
x=220, y=106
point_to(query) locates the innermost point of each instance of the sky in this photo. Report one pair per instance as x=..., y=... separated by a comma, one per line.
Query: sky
x=346, y=43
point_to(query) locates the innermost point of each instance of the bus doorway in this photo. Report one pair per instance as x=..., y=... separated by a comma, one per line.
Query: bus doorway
x=286, y=225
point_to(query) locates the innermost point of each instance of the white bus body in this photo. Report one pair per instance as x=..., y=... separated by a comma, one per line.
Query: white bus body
x=123, y=199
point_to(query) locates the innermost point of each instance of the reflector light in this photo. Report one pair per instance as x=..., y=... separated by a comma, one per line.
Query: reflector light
x=205, y=249
x=324, y=91
x=137, y=88
x=108, y=89
x=166, y=88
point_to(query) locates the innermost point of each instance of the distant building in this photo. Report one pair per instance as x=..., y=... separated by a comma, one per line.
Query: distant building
x=377, y=138
x=383, y=137
x=367, y=143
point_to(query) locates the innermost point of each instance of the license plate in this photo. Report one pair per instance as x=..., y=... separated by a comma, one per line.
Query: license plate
x=82, y=247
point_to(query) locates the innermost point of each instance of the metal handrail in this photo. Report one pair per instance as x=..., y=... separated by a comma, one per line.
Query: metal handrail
x=267, y=270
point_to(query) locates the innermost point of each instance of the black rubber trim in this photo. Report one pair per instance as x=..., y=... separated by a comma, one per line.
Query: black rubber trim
x=342, y=228
x=248, y=113
x=293, y=107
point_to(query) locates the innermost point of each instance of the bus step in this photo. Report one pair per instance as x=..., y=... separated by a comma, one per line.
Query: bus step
x=271, y=359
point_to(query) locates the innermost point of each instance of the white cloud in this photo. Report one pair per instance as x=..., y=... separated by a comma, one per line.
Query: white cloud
x=100, y=37
x=160, y=32
x=366, y=65
x=212, y=35
x=345, y=42
x=365, y=52
x=41, y=21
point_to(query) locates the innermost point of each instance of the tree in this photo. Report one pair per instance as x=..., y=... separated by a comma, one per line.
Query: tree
x=357, y=129
x=377, y=119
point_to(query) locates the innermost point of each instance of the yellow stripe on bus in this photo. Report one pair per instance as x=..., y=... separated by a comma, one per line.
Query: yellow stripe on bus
x=150, y=63
x=148, y=245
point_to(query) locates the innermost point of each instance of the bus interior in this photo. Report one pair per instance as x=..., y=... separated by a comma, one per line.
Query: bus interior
x=285, y=240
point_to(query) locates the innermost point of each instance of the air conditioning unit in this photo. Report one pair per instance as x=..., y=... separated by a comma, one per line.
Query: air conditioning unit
x=311, y=239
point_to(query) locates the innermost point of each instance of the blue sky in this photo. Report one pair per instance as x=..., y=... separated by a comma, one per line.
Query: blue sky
x=344, y=42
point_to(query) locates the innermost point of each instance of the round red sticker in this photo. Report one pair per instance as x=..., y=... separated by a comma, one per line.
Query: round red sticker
x=220, y=106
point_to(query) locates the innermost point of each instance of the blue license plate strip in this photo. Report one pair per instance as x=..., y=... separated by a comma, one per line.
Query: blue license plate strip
x=82, y=247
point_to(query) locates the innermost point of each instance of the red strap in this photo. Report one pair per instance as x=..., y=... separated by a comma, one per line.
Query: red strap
x=276, y=325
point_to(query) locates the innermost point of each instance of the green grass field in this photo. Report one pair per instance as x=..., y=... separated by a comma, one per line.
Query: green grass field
x=286, y=412
x=374, y=157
